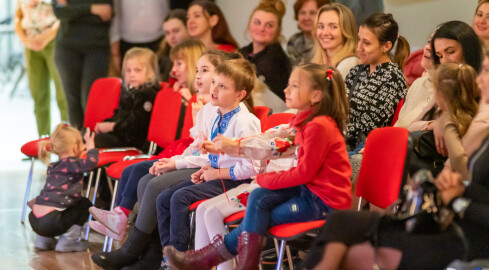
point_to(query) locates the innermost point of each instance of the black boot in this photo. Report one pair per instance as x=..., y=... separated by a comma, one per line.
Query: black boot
x=152, y=256
x=136, y=243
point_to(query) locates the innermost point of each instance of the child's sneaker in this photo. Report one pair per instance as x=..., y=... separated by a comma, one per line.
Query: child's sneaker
x=72, y=240
x=98, y=227
x=44, y=243
x=114, y=220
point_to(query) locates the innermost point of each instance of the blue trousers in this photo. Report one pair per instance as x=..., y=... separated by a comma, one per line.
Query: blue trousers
x=172, y=206
x=267, y=208
x=127, y=192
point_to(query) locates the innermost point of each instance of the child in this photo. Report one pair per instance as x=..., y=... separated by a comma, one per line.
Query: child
x=129, y=124
x=60, y=209
x=319, y=184
x=36, y=26
x=232, y=118
x=113, y=223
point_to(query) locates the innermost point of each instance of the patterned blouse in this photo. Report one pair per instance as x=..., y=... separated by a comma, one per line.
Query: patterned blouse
x=374, y=99
x=299, y=49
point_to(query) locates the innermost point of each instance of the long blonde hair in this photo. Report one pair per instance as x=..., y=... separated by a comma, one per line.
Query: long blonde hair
x=189, y=51
x=61, y=142
x=457, y=85
x=148, y=59
x=349, y=31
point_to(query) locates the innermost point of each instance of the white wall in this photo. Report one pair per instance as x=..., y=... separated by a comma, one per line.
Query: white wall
x=416, y=18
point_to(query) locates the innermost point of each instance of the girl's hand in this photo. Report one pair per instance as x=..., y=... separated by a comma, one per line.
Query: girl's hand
x=195, y=178
x=225, y=145
x=185, y=92
x=439, y=137
x=89, y=139
x=104, y=127
x=449, y=185
x=208, y=147
x=164, y=165
x=196, y=106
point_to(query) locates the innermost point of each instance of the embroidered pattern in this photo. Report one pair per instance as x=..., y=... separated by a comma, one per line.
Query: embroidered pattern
x=220, y=126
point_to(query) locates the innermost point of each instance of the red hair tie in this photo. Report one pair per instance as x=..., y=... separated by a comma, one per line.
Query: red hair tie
x=329, y=74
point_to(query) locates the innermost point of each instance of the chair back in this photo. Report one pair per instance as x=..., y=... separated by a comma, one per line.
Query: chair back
x=277, y=119
x=188, y=122
x=383, y=169
x=261, y=112
x=396, y=113
x=102, y=101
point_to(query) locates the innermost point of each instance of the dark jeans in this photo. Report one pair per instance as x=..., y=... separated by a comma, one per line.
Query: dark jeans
x=267, y=208
x=58, y=222
x=79, y=68
x=127, y=192
x=173, y=205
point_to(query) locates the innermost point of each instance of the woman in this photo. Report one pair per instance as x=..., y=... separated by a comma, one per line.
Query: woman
x=480, y=23
x=82, y=50
x=265, y=27
x=206, y=23
x=175, y=29
x=300, y=45
x=335, y=38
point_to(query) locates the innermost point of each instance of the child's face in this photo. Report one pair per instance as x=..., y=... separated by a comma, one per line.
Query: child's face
x=203, y=77
x=223, y=92
x=298, y=94
x=175, y=31
x=135, y=73
x=179, y=70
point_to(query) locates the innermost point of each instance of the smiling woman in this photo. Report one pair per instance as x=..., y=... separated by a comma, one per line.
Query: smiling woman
x=480, y=24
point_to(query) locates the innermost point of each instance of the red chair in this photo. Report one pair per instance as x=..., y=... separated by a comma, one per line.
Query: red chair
x=108, y=89
x=396, y=113
x=261, y=112
x=412, y=68
x=382, y=174
x=278, y=119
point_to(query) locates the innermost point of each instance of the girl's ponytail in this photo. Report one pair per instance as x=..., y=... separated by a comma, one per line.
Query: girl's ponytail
x=44, y=152
x=402, y=51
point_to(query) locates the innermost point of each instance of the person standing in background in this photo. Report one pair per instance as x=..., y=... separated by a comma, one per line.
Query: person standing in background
x=82, y=50
x=362, y=9
x=36, y=26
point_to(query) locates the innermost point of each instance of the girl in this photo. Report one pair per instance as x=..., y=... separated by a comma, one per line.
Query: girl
x=36, y=26
x=143, y=239
x=265, y=27
x=129, y=124
x=60, y=209
x=480, y=23
x=376, y=85
x=206, y=22
x=335, y=38
x=175, y=29
x=310, y=191
x=394, y=247
x=113, y=223
x=300, y=45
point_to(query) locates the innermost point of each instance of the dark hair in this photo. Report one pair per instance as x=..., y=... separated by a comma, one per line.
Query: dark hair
x=466, y=37
x=386, y=29
x=299, y=3
x=220, y=33
x=179, y=14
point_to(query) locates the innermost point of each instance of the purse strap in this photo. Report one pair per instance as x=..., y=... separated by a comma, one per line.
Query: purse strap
x=355, y=82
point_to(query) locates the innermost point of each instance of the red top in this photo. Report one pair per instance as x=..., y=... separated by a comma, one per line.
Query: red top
x=226, y=48
x=322, y=163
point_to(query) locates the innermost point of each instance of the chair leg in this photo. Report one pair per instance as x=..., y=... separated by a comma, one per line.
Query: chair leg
x=280, y=255
x=289, y=257
x=192, y=223
x=27, y=190
x=89, y=186
x=108, y=240
x=94, y=196
x=359, y=204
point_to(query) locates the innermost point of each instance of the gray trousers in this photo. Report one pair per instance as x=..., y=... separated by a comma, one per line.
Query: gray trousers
x=149, y=187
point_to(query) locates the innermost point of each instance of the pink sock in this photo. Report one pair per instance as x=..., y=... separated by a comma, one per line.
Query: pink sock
x=125, y=210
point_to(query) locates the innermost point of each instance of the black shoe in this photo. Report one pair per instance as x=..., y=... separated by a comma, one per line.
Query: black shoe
x=151, y=257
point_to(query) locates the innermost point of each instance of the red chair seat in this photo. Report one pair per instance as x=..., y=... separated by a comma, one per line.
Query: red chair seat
x=195, y=205
x=292, y=230
x=31, y=148
x=115, y=170
x=105, y=158
x=234, y=218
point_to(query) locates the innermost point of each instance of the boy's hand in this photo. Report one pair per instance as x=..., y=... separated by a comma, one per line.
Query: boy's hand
x=104, y=127
x=209, y=174
x=89, y=138
x=195, y=178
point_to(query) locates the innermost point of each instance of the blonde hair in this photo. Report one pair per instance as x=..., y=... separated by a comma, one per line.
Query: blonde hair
x=349, y=32
x=189, y=51
x=457, y=85
x=275, y=7
x=333, y=102
x=481, y=2
x=61, y=142
x=148, y=59
x=243, y=75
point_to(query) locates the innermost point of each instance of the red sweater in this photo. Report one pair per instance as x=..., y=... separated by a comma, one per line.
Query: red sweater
x=322, y=163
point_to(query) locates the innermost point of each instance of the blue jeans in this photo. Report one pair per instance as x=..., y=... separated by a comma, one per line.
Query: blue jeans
x=267, y=208
x=357, y=149
x=128, y=184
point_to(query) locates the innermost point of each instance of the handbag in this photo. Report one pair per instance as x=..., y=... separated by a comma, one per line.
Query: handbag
x=424, y=154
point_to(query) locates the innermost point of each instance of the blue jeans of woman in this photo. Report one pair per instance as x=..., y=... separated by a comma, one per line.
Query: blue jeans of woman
x=267, y=208
x=127, y=192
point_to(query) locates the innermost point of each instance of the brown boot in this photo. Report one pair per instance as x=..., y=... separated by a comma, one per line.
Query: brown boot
x=202, y=259
x=249, y=251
